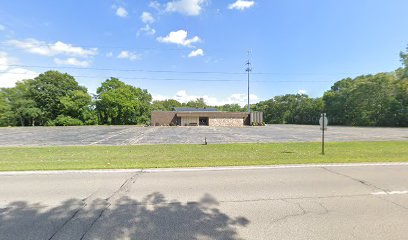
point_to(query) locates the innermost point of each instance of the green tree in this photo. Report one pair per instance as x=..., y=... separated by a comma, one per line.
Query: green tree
x=24, y=108
x=165, y=105
x=119, y=103
x=76, y=104
x=373, y=101
x=404, y=60
x=6, y=115
x=49, y=88
x=198, y=103
x=336, y=102
x=291, y=108
x=231, y=108
x=368, y=100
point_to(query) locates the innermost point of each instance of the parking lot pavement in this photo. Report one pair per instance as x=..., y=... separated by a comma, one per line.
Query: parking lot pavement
x=134, y=135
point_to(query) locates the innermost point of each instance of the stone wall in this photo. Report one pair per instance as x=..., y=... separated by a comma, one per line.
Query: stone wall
x=226, y=122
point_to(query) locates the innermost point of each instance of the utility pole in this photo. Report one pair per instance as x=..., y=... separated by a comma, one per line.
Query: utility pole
x=248, y=70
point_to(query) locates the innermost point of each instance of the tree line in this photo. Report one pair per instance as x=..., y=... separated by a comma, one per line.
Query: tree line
x=56, y=99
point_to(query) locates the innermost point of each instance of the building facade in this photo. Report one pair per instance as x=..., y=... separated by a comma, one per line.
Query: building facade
x=202, y=117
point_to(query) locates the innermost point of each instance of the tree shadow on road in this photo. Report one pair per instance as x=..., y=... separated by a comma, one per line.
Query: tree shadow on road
x=154, y=217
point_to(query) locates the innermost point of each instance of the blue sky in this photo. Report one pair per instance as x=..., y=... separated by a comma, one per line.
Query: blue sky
x=185, y=49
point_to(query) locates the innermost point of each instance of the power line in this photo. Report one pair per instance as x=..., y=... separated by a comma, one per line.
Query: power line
x=179, y=72
x=123, y=70
x=179, y=79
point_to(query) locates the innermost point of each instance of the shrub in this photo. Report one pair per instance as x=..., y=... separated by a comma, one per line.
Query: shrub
x=62, y=120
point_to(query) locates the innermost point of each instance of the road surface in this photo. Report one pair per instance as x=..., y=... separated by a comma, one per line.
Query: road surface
x=321, y=202
x=133, y=135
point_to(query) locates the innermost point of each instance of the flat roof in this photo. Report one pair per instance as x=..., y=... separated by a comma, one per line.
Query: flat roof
x=213, y=114
x=187, y=109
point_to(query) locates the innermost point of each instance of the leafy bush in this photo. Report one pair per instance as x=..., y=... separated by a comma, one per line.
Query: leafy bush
x=62, y=120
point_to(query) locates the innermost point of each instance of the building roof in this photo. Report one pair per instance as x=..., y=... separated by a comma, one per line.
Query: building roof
x=213, y=114
x=186, y=109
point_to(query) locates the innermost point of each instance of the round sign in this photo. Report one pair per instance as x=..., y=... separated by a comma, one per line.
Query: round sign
x=326, y=122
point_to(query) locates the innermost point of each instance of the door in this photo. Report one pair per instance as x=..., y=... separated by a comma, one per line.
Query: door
x=203, y=121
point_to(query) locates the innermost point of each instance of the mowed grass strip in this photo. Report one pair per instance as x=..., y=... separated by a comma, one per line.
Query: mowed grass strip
x=171, y=156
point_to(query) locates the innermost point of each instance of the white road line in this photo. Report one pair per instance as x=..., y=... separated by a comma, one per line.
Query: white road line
x=199, y=169
x=111, y=136
x=390, y=193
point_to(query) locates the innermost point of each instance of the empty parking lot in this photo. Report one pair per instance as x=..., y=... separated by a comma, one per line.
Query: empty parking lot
x=134, y=135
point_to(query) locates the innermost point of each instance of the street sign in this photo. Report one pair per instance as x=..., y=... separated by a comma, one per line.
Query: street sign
x=323, y=121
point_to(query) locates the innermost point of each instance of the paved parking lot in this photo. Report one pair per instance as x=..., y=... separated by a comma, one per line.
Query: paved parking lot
x=134, y=135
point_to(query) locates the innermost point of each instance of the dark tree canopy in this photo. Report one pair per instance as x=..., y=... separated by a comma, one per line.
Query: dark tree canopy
x=290, y=108
x=48, y=88
x=371, y=100
x=165, y=105
x=120, y=103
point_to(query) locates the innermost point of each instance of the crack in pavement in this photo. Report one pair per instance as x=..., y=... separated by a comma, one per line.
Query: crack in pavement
x=302, y=213
x=396, y=204
x=94, y=221
x=363, y=182
x=326, y=210
x=287, y=216
x=84, y=204
x=124, y=188
x=296, y=198
x=276, y=199
x=67, y=221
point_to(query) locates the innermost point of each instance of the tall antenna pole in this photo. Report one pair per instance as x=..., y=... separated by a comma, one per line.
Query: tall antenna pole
x=248, y=70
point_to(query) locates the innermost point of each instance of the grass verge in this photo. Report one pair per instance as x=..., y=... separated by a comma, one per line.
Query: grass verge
x=170, y=156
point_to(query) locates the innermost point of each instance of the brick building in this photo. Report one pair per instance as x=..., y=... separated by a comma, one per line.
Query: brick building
x=203, y=117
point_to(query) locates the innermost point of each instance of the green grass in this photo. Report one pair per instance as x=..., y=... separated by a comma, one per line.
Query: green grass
x=168, y=156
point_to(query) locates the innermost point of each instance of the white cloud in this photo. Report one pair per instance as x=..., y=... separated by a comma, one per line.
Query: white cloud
x=241, y=5
x=242, y=99
x=9, y=76
x=147, y=17
x=2, y=27
x=73, y=62
x=147, y=30
x=121, y=12
x=129, y=55
x=302, y=91
x=51, y=49
x=180, y=38
x=4, y=61
x=155, y=5
x=196, y=53
x=109, y=54
x=238, y=98
x=186, y=7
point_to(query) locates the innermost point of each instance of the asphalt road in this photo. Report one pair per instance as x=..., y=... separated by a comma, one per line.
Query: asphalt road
x=321, y=202
x=132, y=135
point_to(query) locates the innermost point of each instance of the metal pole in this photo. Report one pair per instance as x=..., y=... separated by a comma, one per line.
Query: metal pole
x=249, y=106
x=324, y=116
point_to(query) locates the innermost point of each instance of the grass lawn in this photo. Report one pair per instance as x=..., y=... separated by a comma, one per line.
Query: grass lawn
x=167, y=156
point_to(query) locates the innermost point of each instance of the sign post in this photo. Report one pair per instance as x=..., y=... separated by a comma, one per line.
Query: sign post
x=323, y=121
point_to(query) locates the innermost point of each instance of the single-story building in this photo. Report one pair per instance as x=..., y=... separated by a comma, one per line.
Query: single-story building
x=204, y=117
